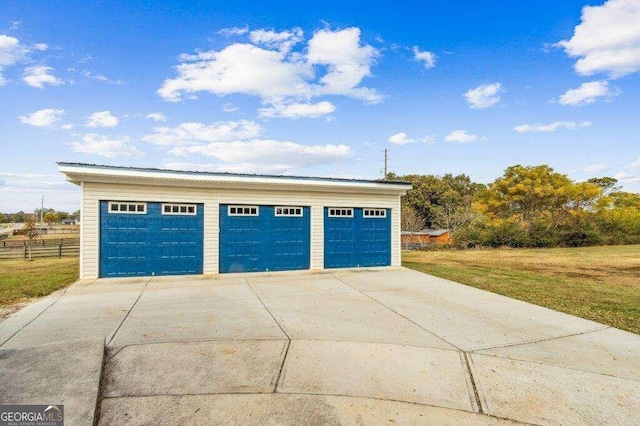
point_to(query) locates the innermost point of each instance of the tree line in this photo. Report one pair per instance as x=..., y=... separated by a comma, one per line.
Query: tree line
x=49, y=216
x=528, y=206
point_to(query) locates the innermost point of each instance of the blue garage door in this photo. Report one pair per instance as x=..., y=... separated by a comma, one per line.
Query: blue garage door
x=142, y=239
x=264, y=238
x=356, y=237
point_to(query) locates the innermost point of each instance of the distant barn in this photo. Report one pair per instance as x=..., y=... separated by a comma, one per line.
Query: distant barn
x=425, y=238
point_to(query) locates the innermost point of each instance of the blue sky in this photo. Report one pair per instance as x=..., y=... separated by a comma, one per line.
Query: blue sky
x=316, y=89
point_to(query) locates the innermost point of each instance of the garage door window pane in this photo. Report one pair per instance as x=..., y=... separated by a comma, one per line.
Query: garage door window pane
x=130, y=208
x=289, y=211
x=374, y=213
x=179, y=209
x=341, y=212
x=243, y=211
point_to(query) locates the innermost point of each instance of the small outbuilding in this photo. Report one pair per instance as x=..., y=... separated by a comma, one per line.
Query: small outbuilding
x=144, y=222
x=425, y=237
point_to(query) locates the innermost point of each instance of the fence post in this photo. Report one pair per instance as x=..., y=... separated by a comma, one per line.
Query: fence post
x=59, y=251
x=25, y=251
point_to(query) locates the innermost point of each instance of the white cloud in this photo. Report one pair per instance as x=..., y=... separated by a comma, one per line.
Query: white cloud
x=298, y=110
x=41, y=46
x=92, y=143
x=157, y=116
x=191, y=167
x=229, y=107
x=99, y=77
x=607, y=40
x=484, y=96
x=460, y=136
x=28, y=183
x=635, y=163
x=194, y=133
x=626, y=178
x=595, y=168
x=26, y=175
x=92, y=76
x=228, y=32
x=402, y=139
x=238, y=68
x=282, y=41
x=270, y=156
x=428, y=58
x=39, y=75
x=347, y=60
x=278, y=74
x=588, y=93
x=102, y=119
x=11, y=52
x=43, y=118
x=552, y=127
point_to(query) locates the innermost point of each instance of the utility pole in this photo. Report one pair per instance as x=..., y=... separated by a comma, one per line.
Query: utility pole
x=42, y=210
x=386, y=161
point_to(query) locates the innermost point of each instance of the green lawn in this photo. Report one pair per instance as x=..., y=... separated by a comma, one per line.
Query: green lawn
x=597, y=283
x=21, y=279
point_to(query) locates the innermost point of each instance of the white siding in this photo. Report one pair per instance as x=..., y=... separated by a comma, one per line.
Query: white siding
x=212, y=198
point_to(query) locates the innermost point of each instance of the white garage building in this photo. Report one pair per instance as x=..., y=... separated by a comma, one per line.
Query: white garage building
x=143, y=222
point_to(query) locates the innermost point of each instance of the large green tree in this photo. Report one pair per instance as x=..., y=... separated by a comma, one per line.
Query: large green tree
x=537, y=193
x=443, y=202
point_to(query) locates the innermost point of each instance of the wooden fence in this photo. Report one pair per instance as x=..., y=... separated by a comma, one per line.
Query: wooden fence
x=39, y=242
x=34, y=251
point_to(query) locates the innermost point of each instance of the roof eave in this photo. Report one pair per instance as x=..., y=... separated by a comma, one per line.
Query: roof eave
x=78, y=174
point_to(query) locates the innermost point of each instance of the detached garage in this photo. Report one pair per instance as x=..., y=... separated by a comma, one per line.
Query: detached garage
x=145, y=222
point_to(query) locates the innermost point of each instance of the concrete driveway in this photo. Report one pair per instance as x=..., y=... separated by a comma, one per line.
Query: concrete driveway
x=351, y=347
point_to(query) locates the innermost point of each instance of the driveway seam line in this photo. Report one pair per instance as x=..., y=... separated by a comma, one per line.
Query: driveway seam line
x=282, y=328
x=99, y=397
x=474, y=387
x=284, y=360
x=169, y=342
x=529, y=342
x=265, y=306
x=315, y=394
x=37, y=316
x=195, y=341
x=128, y=313
x=528, y=361
x=396, y=312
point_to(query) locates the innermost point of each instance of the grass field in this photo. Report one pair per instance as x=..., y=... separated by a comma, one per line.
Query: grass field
x=22, y=279
x=597, y=283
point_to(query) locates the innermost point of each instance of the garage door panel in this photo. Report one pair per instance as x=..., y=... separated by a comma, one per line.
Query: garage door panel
x=264, y=242
x=152, y=243
x=357, y=241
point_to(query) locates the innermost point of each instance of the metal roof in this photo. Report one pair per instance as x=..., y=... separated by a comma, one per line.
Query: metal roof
x=429, y=232
x=229, y=175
